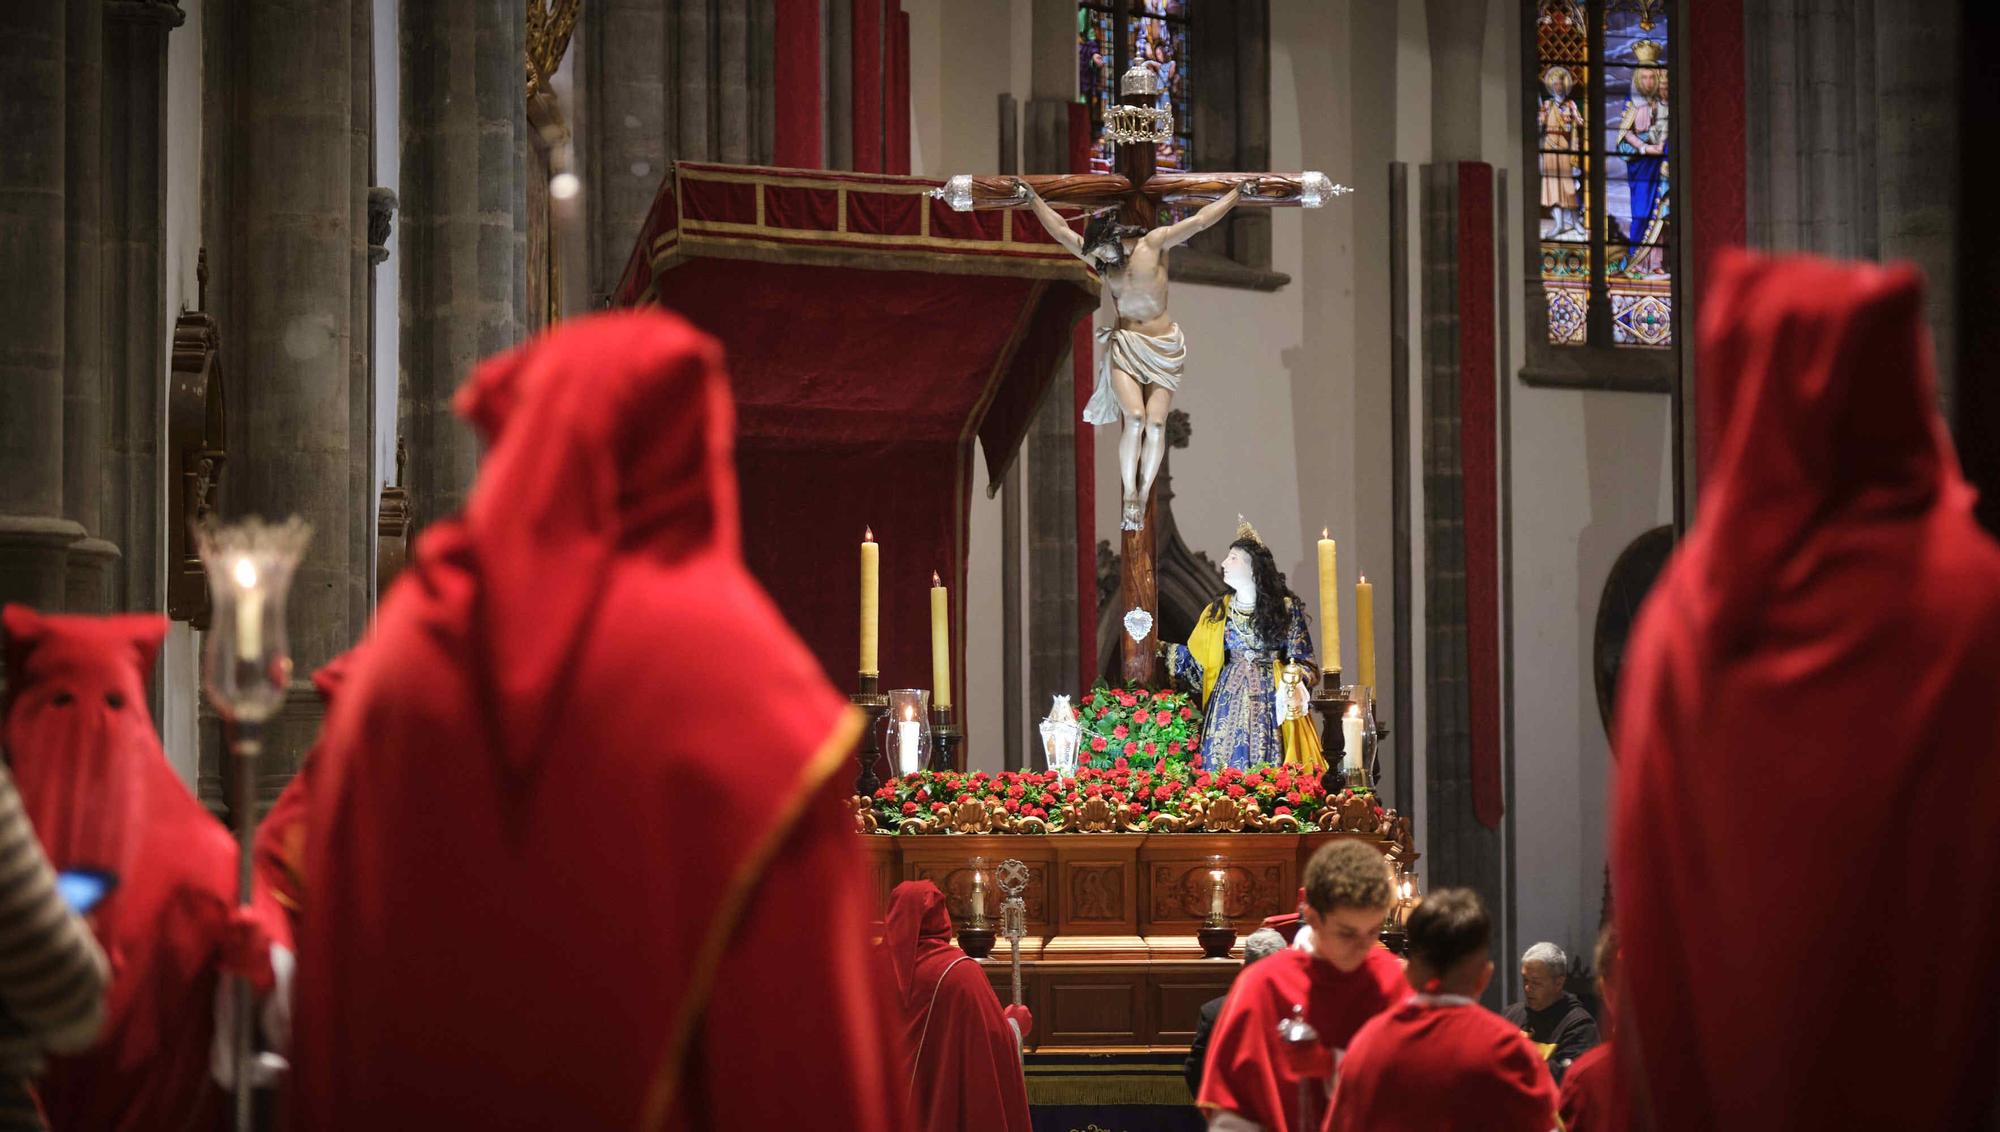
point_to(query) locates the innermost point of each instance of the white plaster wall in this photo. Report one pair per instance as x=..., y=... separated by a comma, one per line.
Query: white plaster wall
x=1591, y=471
x=181, y=235
x=961, y=60
x=387, y=321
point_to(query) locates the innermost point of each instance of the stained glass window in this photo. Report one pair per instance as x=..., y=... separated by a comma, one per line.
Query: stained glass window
x=1602, y=144
x=1111, y=35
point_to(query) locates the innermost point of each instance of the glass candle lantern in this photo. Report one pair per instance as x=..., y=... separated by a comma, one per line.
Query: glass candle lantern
x=1061, y=737
x=1218, y=891
x=909, y=729
x=975, y=903
x=249, y=567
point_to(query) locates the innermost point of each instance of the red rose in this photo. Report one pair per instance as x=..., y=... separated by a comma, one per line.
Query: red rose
x=1097, y=743
x=1131, y=748
x=923, y=795
x=909, y=807
x=1102, y=712
x=1281, y=811
x=1187, y=713
x=1174, y=746
x=1150, y=749
x=1161, y=766
x=1136, y=808
x=1120, y=731
x=1013, y=807
x=1235, y=791
x=1293, y=797
x=1127, y=701
x=1118, y=764
x=1141, y=716
x=965, y=797
x=1038, y=812
x=1143, y=793
x=939, y=807
x=1202, y=780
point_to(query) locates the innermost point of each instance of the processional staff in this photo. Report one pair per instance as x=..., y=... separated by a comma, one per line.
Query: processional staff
x=1014, y=917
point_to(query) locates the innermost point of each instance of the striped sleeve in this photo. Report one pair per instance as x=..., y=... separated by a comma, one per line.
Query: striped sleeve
x=52, y=973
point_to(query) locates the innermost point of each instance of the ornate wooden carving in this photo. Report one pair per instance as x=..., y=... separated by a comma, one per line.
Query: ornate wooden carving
x=1097, y=892
x=197, y=449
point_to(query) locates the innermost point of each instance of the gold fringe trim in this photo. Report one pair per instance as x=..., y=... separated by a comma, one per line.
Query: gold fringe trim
x=1166, y=1087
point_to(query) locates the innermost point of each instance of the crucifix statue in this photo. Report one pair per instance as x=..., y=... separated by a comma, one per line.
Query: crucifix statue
x=1141, y=358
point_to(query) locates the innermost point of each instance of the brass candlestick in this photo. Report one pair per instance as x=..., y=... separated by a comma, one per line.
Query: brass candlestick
x=1331, y=701
x=945, y=739
x=873, y=704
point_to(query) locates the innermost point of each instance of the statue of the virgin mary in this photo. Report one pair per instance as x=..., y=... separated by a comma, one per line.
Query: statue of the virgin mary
x=1244, y=646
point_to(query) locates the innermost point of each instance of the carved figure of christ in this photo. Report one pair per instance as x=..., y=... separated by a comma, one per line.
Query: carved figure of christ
x=1141, y=365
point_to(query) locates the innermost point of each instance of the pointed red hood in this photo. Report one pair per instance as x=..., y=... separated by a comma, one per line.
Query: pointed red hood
x=608, y=435
x=1806, y=730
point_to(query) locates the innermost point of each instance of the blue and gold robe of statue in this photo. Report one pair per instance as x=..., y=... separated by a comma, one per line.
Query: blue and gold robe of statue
x=1238, y=677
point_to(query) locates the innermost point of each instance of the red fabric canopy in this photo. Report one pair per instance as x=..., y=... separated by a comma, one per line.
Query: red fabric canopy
x=871, y=333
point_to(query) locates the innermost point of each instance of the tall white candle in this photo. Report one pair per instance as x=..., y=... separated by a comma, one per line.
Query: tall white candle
x=909, y=752
x=249, y=610
x=978, y=893
x=1215, y=905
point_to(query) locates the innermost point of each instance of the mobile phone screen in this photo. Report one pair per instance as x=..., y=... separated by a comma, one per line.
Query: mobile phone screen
x=82, y=889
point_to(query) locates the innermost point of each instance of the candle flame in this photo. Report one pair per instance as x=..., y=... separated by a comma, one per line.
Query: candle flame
x=1354, y=711
x=245, y=571
x=1364, y=578
x=1323, y=533
x=934, y=579
x=868, y=534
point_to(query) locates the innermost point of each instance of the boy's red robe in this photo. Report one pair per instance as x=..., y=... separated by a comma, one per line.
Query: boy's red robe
x=1250, y=1075
x=1807, y=734
x=967, y=1071
x=102, y=796
x=1586, y=1102
x=577, y=848
x=1438, y=1062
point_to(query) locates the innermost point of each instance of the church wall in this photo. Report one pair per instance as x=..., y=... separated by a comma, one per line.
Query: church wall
x=181, y=233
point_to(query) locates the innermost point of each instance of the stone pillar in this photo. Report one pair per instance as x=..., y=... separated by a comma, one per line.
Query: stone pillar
x=295, y=272
x=91, y=560
x=134, y=271
x=464, y=224
x=1457, y=39
x=34, y=535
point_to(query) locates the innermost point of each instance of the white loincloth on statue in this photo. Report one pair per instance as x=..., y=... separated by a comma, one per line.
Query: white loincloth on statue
x=1151, y=360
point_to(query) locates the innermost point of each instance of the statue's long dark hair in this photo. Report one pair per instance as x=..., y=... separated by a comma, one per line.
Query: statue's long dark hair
x=1271, y=621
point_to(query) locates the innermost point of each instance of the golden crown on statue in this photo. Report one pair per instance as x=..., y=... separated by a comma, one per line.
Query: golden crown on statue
x=1647, y=52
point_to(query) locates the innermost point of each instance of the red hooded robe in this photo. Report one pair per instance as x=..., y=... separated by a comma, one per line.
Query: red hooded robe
x=281, y=835
x=1806, y=802
x=580, y=748
x=966, y=1075
x=102, y=796
x=1442, y=1062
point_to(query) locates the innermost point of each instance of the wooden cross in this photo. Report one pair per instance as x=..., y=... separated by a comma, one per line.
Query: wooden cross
x=1137, y=190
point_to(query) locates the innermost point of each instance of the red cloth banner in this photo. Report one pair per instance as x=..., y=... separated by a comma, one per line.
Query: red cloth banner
x=870, y=84
x=1479, y=433
x=796, y=48
x=864, y=359
x=1715, y=182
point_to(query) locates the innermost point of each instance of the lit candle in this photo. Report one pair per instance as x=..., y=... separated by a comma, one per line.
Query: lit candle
x=1329, y=606
x=940, y=643
x=909, y=753
x=1350, y=733
x=978, y=893
x=249, y=611
x=1215, y=905
x=1364, y=624
x=871, y=601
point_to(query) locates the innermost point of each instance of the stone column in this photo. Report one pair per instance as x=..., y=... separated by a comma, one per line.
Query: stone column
x=667, y=81
x=464, y=224
x=34, y=535
x=134, y=271
x=295, y=261
x=91, y=560
x=361, y=317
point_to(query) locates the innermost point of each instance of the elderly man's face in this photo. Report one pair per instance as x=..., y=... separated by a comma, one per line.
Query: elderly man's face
x=1540, y=986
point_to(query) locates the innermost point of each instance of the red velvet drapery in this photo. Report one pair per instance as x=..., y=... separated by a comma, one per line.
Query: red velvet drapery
x=871, y=334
